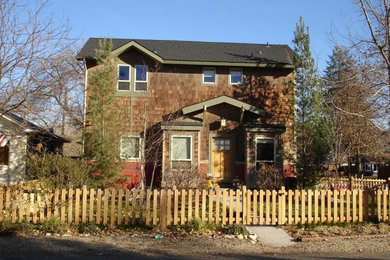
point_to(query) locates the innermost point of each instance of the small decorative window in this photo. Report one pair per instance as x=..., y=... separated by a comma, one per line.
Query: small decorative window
x=4, y=155
x=235, y=76
x=130, y=147
x=265, y=150
x=141, y=77
x=209, y=76
x=124, y=77
x=181, y=151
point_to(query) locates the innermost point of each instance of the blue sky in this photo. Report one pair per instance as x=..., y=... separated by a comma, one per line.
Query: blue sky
x=249, y=21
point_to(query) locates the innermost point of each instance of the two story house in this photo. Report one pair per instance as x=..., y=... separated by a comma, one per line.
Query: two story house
x=224, y=108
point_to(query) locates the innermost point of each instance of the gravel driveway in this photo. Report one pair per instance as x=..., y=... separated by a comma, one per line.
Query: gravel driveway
x=143, y=246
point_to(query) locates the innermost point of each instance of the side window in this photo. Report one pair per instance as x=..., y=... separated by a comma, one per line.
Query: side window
x=141, y=77
x=235, y=76
x=208, y=76
x=265, y=150
x=181, y=151
x=130, y=147
x=4, y=155
x=123, y=77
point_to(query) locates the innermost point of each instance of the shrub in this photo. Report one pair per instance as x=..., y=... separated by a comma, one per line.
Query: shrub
x=56, y=171
x=269, y=177
x=87, y=228
x=197, y=225
x=52, y=225
x=185, y=178
x=237, y=229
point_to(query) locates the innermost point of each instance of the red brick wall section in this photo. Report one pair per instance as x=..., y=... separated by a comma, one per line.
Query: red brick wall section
x=132, y=174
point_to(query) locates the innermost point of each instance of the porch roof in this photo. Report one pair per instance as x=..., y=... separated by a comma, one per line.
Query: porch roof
x=223, y=99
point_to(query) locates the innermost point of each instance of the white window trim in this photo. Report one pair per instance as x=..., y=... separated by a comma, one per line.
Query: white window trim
x=215, y=76
x=139, y=149
x=129, y=81
x=191, y=148
x=255, y=147
x=141, y=81
x=230, y=77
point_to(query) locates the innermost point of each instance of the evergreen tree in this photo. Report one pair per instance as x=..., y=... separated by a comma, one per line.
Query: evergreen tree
x=312, y=127
x=103, y=119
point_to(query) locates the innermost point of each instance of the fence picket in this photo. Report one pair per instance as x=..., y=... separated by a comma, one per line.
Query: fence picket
x=105, y=206
x=224, y=197
x=112, y=207
x=134, y=206
x=148, y=194
x=267, y=207
x=98, y=206
x=360, y=205
x=238, y=208
x=63, y=205
x=169, y=207
x=255, y=220
x=127, y=212
x=354, y=204
x=335, y=206
x=217, y=205
x=197, y=195
x=91, y=205
x=231, y=218
x=183, y=207
x=77, y=207
x=203, y=205
x=316, y=217
x=309, y=206
x=84, y=205
x=379, y=205
x=70, y=206
x=261, y=207
x=274, y=193
x=120, y=213
x=175, y=207
x=155, y=198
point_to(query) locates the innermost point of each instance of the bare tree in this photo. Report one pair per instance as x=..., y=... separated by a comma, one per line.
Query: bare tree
x=28, y=42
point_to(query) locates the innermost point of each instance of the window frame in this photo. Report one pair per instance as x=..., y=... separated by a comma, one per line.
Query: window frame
x=119, y=80
x=139, y=147
x=215, y=75
x=230, y=76
x=255, y=147
x=141, y=81
x=171, y=150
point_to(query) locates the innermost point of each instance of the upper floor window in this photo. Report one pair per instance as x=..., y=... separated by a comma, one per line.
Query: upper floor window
x=209, y=76
x=235, y=76
x=123, y=77
x=141, y=77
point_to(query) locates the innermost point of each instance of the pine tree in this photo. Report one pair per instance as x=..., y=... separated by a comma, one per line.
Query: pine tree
x=103, y=119
x=312, y=127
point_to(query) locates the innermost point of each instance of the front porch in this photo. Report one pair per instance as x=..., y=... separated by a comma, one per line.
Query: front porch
x=224, y=138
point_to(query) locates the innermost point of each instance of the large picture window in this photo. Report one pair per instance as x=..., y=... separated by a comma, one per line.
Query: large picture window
x=265, y=150
x=130, y=147
x=124, y=77
x=181, y=151
x=141, y=77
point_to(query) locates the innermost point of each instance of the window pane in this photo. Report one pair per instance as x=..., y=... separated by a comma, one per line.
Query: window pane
x=123, y=85
x=235, y=76
x=130, y=147
x=265, y=150
x=140, y=72
x=141, y=86
x=181, y=148
x=209, y=76
x=124, y=72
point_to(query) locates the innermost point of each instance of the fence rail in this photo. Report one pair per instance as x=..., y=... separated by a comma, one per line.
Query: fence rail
x=177, y=207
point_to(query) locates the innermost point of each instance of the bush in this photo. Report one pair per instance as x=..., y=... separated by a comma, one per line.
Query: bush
x=52, y=225
x=87, y=228
x=197, y=225
x=185, y=178
x=269, y=177
x=56, y=171
x=237, y=229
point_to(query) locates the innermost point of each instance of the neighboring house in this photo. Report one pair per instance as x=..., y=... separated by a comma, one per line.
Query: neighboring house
x=224, y=108
x=17, y=137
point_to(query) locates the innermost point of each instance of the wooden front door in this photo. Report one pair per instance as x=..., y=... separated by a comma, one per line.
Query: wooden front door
x=222, y=158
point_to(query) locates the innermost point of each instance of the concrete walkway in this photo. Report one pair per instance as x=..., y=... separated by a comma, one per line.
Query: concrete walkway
x=271, y=236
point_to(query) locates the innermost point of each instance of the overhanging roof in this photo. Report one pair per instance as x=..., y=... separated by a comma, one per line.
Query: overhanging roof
x=200, y=53
x=223, y=99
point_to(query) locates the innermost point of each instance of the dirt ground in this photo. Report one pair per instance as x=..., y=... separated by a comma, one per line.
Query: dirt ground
x=145, y=246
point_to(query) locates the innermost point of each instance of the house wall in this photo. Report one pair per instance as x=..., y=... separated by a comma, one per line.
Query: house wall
x=14, y=171
x=172, y=87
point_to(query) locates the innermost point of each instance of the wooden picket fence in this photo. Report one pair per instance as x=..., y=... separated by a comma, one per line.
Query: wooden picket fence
x=177, y=207
x=353, y=183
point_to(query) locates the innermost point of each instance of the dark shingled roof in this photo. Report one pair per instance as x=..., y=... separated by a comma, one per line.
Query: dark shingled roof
x=203, y=51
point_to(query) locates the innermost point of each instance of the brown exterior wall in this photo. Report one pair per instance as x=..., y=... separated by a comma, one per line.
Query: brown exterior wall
x=172, y=87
